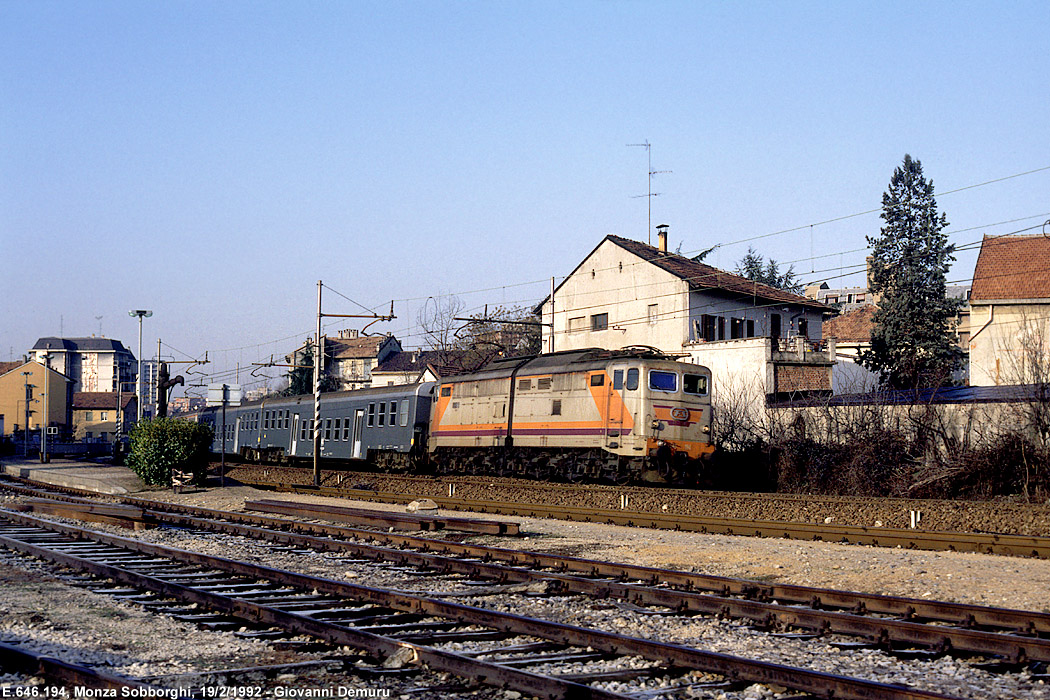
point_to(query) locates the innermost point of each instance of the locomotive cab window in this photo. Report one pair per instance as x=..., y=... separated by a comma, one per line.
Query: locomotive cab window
x=694, y=383
x=597, y=379
x=663, y=381
x=632, y=379
x=446, y=391
x=617, y=379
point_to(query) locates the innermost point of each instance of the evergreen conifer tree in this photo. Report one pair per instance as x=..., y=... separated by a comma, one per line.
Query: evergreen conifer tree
x=912, y=338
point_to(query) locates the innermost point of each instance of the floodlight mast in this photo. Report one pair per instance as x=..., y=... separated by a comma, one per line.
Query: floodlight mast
x=141, y=314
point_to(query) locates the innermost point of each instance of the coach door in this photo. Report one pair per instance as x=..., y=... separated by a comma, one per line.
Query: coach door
x=293, y=437
x=359, y=422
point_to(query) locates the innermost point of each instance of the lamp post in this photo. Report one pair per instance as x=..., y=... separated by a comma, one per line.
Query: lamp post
x=141, y=313
x=25, y=432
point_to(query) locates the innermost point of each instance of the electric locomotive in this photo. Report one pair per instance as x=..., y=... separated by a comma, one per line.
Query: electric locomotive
x=628, y=415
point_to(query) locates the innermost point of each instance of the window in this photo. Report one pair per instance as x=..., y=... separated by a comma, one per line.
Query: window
x=372, y=414
x=736, y=328
x=103, y=416
x=287, y=419
x=381, y=413
x=404, y=413
x=653, y=314
x=576, y=324
x=694, y=383
x=774, y=325
x=617, y=379
x=556, y=407
x=337, y=428
x=721, y=328
x=266, y=420
x=803, y=327
x=346, y=428
x=597, y=379
x=750, y=328
x=663, y=381
x=599, y=322
x=543, y=383
x=89, y=415
x=860, y=298
x=327, y=428
x=632, y=379
x=445, y=391
x=707, y=327
x=392, y=419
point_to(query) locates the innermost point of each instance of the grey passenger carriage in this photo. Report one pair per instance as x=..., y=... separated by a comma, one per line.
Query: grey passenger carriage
x=385, y=425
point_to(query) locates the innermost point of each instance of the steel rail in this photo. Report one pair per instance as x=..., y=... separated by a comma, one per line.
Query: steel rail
x=736, y=668
x=884, y=631
x=14, y=658
x=984, y=543
x=961, y=614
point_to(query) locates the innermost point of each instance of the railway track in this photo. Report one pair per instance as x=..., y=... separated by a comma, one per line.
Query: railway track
x=985, y=543
x=1011, y=638
x=408, y=628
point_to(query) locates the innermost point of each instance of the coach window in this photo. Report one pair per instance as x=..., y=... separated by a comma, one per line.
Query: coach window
x=371, y=415
x=382, y=413
x=346, y=428
x=632, y=379
x=663, y=381
x=404, y=413
x=337, y=428
x=327, y=428
x=694, y=383
x=392, y=420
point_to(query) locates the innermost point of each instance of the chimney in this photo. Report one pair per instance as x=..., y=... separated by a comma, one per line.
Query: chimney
x=661, y=237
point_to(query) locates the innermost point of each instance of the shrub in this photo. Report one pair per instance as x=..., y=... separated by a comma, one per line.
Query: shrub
x=158, y=446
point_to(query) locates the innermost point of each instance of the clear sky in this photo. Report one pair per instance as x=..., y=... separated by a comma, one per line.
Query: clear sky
x=213, y=161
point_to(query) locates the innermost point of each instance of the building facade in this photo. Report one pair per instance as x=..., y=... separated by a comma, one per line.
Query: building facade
x=92, y=364
x=30, y=385
x=1009, y=335
x=97, y=418
x=628, y=293
x=349, y=358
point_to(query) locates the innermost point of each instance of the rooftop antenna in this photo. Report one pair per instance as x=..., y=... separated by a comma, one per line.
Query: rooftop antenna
x=648, y=150
x=99, y=319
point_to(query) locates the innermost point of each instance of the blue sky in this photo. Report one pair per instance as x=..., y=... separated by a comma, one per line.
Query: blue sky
x=212, y=161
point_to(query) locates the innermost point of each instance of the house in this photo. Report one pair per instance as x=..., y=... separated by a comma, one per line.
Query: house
x=756, y=339
x=851, y=333
x=414, y=366
x=1009, y=341
x=845, y=299
x=95, y=415
x=93, y=364
x=30, y=380
x=349, y=358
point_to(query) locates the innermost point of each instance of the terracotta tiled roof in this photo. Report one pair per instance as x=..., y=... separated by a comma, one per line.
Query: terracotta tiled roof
x=99, y=399
x=443, y=362
x=1012, y=267
x=701, y=276
x=355, y=348
x=6, y=367
x=853, y=327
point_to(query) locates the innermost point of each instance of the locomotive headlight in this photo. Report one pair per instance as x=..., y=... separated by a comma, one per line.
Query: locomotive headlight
x=707, y=428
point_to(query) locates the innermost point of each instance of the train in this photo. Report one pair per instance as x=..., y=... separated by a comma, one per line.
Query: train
x=619, y=416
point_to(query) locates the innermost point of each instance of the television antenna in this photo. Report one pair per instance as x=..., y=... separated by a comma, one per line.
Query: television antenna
x=649, y=197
